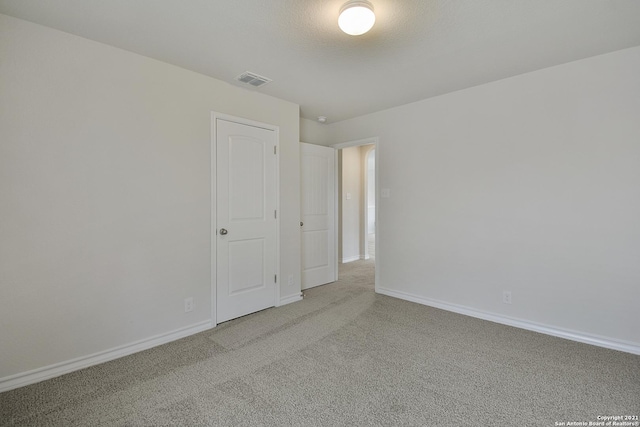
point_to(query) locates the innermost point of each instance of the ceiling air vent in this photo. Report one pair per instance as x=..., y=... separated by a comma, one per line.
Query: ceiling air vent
x=253, y=79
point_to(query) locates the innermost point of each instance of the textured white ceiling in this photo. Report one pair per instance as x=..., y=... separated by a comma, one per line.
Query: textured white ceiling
x=417, y=49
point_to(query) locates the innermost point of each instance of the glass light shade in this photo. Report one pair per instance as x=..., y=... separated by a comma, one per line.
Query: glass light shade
x=356, y=17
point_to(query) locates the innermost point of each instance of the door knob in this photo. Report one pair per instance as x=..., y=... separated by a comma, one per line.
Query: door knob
x=223, y=231
x=301, y=223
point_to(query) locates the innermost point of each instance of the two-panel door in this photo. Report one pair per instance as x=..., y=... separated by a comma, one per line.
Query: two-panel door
x=317, y=170
x=246, y=225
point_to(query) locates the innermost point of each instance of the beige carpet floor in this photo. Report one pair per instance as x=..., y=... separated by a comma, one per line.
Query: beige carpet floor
x=344, y=356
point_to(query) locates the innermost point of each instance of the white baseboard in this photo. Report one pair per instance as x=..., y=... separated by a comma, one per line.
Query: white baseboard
x=626, y=346
x=350, y=258
x=290, y=299
x=30, y=377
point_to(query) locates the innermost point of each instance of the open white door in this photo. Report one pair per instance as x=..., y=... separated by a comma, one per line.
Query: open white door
x=246, y=225
x=319, y=260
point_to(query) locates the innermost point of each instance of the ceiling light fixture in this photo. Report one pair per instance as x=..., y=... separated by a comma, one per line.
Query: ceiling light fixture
x=356, y=17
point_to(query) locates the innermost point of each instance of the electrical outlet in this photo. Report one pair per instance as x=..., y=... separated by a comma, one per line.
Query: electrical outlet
x=188, y=304
x=290, y=282
x=506, y=297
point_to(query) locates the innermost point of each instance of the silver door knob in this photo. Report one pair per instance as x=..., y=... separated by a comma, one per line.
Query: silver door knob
x=301, y=223
x=223, y=231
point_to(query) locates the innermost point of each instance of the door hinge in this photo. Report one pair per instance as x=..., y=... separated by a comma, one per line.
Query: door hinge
x=275, y=278
x=275, y=149
x=275, y=214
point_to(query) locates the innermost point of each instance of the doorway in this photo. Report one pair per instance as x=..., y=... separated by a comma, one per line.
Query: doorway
x=357, y=204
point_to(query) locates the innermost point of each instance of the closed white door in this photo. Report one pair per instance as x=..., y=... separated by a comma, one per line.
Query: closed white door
x=246, y=225
x=319, y=260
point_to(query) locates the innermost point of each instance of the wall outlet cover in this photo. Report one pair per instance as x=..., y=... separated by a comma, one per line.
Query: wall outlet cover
x=506, y=297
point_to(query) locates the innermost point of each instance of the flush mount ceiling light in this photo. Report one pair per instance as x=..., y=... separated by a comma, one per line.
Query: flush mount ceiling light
x=356, y=17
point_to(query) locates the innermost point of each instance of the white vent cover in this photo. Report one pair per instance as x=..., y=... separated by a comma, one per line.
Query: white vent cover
x=253, y=79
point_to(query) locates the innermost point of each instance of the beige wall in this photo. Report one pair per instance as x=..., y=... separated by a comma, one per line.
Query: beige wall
x=351, y=207
x=313, y=132
x=528, y=184
x=105, y=194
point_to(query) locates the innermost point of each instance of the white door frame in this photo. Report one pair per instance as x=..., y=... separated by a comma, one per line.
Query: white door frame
x=374, y=140
x=214, y=204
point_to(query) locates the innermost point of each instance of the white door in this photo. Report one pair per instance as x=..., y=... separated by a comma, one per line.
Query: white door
x=319, y=260
x=246, y=225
